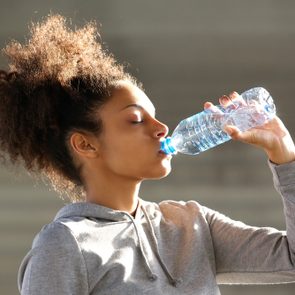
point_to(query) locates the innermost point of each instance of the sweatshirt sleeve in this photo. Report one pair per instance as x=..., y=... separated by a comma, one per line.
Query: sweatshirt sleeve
x=55, y=265
x=257, y=255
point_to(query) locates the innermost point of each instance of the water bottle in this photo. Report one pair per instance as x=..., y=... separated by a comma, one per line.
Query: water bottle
x=204, y=130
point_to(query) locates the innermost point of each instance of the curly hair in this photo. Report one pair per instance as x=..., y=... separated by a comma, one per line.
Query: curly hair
x=55, y=84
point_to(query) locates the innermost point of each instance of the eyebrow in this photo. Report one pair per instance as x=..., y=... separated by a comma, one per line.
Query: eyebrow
x=135, y=105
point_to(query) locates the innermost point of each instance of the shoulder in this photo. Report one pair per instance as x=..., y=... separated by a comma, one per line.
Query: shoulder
x=180, y=210
x=180, y=206
x=54, y=247
x=54, y=260
x=55, y=236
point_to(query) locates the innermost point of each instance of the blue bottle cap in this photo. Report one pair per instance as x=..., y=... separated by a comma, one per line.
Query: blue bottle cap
x=167, y=147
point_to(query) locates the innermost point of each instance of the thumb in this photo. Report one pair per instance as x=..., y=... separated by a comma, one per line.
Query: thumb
x=232, y=131
x=249, y=136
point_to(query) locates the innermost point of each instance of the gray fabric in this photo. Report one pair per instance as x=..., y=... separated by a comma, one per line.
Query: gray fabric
x=168, y=248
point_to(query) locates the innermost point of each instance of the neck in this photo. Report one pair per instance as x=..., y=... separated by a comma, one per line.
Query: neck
x=113, y=192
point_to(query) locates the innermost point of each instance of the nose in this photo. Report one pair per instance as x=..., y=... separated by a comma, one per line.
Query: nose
x=161, y=130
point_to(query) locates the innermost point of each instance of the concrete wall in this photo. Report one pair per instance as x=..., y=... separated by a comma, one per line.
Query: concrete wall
x=185, y=52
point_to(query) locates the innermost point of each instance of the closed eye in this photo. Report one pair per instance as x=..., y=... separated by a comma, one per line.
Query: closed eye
x=137, y=122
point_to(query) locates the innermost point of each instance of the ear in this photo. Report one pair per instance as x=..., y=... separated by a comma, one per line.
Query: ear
x=84, y=145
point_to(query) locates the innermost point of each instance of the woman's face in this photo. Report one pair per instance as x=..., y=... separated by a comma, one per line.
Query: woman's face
x=129, y=144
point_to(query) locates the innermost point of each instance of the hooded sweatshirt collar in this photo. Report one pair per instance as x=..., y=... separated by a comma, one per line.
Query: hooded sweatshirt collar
x=92, y=210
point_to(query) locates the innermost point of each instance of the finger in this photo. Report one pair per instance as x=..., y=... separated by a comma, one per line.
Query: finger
x=231, y=102
x=250, y=136
x=232, y=131
x=210, y=107
x=236, y=134
x=225, y=101
x=234, y=95
x=237, y=99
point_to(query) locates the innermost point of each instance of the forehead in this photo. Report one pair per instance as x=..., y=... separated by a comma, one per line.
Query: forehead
x=126, y=94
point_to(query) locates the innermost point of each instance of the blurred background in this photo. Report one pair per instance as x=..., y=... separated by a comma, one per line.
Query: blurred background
x=185, y=53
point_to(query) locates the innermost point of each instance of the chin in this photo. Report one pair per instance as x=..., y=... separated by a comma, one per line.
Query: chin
x=165, y=171
x=166, y=174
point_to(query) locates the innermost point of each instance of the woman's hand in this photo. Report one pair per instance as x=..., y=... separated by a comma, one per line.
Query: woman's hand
x=273, y=137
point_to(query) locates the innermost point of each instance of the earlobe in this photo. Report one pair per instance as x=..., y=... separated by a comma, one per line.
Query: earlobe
x=82, y=145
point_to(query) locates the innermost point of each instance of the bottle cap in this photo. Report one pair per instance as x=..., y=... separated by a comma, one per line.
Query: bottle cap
x=167, y=147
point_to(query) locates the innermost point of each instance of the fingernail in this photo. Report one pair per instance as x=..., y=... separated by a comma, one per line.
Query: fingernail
x=224, y=99
x=234, y=94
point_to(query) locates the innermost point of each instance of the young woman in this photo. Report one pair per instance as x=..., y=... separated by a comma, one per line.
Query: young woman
x=70, y=112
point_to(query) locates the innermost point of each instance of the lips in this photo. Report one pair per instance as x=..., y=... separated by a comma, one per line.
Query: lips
x=164, y=155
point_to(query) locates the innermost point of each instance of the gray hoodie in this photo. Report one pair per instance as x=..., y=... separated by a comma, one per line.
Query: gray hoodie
x=167, y=248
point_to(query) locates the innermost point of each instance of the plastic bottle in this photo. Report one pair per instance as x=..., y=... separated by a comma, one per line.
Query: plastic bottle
x=204, y=130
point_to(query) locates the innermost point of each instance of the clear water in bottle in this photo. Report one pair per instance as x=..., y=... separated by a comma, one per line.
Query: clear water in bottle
x=204, y=130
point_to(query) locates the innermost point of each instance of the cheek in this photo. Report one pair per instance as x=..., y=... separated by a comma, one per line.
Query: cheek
x=120, y=154
x=133, y=155
x=129, y=159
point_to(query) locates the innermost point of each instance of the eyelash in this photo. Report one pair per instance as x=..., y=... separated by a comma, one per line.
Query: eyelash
x=137, y=122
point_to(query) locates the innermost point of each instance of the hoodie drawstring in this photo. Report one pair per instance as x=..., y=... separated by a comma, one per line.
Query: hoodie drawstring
x=151, y=275
x=175, y=282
